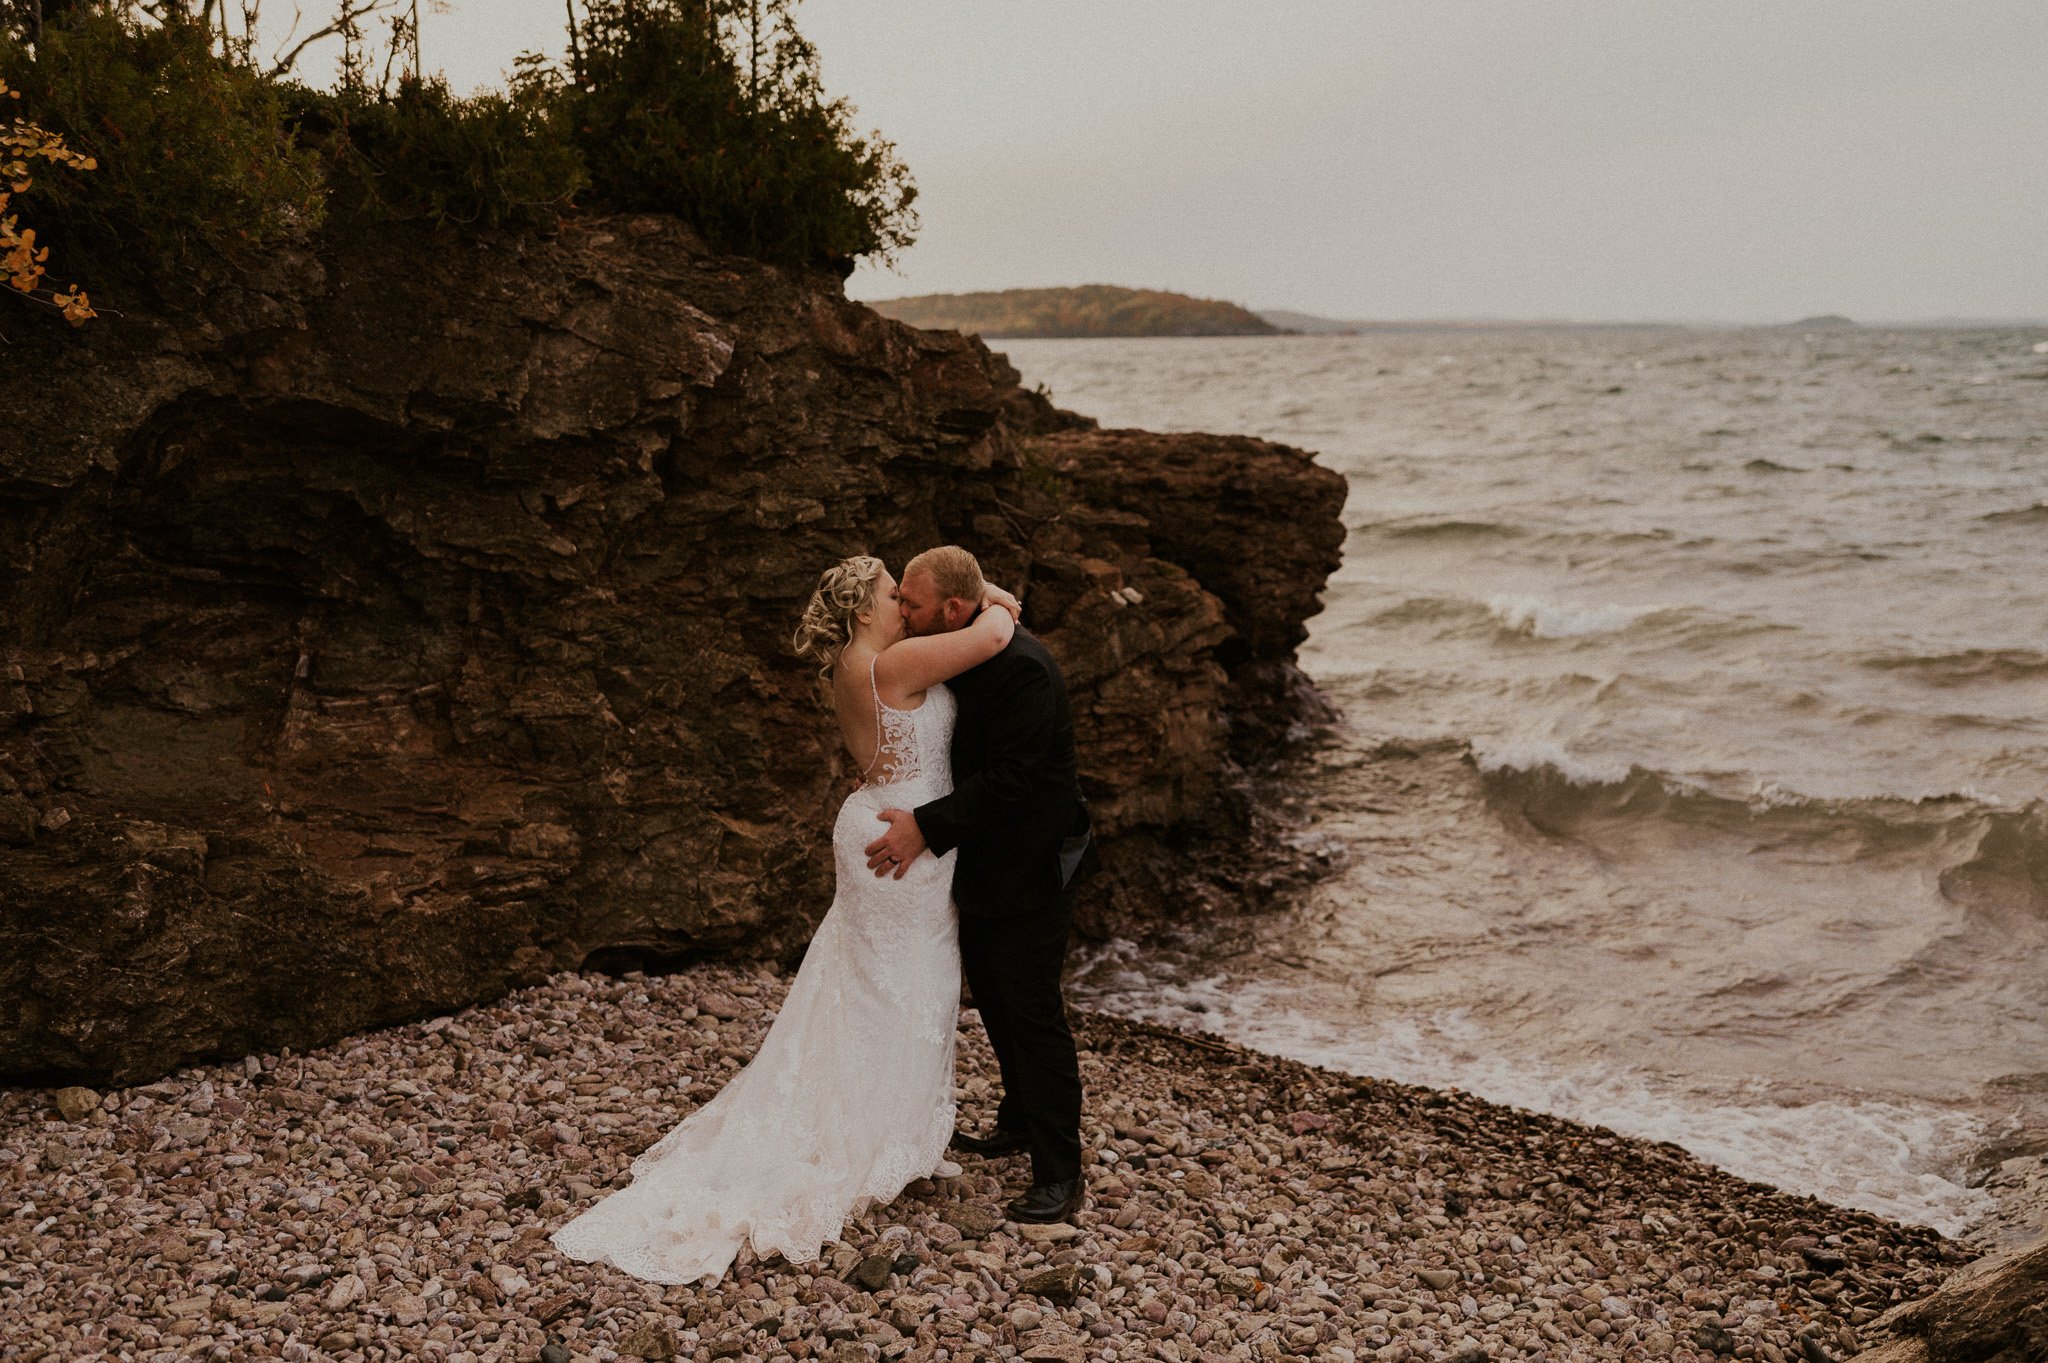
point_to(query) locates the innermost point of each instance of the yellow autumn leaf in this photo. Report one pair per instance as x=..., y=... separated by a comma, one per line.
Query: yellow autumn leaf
x=21, y=261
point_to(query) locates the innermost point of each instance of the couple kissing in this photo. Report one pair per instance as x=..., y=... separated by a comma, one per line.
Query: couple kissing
x=957, y=854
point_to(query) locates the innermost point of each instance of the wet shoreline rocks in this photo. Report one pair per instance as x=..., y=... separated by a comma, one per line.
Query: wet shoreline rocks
x=390, y=1196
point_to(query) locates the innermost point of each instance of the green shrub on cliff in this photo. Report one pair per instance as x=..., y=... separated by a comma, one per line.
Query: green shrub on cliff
x=192, y=149
x=421, y=152
x=712, y=110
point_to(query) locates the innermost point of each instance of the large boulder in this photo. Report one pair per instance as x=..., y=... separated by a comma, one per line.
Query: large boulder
x=1993, y=1311
x=395, y=621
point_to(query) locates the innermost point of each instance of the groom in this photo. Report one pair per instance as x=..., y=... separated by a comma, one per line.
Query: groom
x=1017, y=818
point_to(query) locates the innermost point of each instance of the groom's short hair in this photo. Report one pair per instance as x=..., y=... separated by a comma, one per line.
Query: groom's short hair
x=953, y=570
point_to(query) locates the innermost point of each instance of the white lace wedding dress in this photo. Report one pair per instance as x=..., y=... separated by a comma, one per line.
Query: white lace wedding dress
x=851, y=1094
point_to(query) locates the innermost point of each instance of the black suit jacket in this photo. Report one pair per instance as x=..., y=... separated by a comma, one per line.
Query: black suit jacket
x=1015, y=797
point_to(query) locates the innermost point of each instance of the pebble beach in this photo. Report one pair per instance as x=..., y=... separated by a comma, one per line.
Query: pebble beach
x=390, y=1197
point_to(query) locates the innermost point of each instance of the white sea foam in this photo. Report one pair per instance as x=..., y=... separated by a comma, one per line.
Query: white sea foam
x=1885, y=1156
x=1562, y=620
x=1531, y=754
x=1777, y=795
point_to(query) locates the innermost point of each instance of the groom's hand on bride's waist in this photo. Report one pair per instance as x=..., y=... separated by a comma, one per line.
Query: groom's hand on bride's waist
x=897, y=848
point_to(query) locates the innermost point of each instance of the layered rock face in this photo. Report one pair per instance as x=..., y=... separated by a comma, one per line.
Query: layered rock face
x=371, y=644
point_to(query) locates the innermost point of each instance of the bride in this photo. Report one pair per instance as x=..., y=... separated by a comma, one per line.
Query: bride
x=851, y=1094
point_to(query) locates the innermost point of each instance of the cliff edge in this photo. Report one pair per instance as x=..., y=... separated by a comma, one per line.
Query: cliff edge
x=373, y=643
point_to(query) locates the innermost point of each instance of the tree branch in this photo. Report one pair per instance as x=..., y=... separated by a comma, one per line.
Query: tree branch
x=352, y=11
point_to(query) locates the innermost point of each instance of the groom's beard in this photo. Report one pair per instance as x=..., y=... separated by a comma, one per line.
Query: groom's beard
x=938, y=624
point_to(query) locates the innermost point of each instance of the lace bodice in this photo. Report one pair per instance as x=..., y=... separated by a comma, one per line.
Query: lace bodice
x=910, y=744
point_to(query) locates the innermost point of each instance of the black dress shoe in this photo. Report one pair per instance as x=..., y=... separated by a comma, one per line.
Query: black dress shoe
x=1047, y=1202
x=996, y=1142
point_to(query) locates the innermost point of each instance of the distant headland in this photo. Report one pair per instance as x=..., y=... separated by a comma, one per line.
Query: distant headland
x=1085, y=310
x=1110, y=310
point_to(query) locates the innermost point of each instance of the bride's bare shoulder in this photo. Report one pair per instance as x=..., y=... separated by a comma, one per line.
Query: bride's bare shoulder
x=854, y=665
x=849, y=682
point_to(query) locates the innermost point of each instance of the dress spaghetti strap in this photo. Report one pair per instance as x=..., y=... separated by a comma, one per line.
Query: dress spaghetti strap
x=874, y=691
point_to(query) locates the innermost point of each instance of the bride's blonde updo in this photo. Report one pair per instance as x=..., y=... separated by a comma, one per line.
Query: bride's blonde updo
x=844, y=590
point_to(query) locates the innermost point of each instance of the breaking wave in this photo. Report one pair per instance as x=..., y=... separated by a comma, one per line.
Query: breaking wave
x=1992, y=858
x=1559, y=620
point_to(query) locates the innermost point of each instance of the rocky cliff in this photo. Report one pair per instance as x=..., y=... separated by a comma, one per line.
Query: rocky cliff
x=404, y=618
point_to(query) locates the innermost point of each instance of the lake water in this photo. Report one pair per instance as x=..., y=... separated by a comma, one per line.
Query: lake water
x=1696, y=743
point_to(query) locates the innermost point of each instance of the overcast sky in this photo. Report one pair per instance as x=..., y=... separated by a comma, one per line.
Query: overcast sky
x=1739, y=160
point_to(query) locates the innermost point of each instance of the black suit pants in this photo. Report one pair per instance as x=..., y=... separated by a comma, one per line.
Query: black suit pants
x=1013, y=966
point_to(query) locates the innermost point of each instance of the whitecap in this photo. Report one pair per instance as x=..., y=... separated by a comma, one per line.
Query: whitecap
x=1534, y=754
x=1561, y=620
